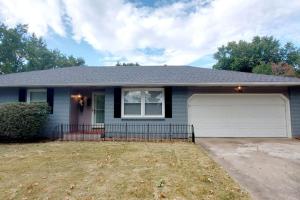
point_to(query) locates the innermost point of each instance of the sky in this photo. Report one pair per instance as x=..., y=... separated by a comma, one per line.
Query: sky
x=171, y=32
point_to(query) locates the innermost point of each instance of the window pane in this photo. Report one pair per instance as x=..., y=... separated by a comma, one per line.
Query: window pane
x=132, y=109
x=99, y=101
x=99, y=118
x=153, y=109
x=153, y=96
x=38, y=97
x=132, y=97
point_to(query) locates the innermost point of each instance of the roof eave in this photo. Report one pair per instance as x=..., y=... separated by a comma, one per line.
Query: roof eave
x=160, y=84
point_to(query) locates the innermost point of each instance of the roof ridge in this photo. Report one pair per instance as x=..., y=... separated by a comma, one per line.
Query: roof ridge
x=91, y=66
x=41, y=70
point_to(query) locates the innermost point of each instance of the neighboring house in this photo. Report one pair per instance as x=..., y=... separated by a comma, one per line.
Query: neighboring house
x=218, y=103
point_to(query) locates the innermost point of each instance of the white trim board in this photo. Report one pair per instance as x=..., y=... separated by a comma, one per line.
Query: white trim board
x=34, y=90
x=142, y=116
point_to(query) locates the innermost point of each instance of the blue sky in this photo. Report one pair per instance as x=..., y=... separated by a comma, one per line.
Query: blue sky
x=70, y=47
x=149, y=32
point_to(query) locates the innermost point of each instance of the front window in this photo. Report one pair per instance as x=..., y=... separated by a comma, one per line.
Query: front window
x=36, y=95
x=143, y=102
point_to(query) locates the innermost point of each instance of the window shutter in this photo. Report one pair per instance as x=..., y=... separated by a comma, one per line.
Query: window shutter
x=117, y=102
x=22, y=95
x=50, y=98
x=168, y=102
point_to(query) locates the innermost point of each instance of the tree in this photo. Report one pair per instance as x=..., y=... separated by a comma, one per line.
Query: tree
x=21, y=51
x=12, y=45
x=283, y=69
x=127, y=64
x=291, y=55
x=257, y=56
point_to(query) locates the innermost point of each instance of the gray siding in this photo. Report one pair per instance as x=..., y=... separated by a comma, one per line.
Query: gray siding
x=61, y=109
x=251, y=90
x=179, y=109
x=8, y=95
x=295, y=110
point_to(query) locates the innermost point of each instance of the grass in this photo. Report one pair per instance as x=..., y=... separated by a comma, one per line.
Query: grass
x=110, y=170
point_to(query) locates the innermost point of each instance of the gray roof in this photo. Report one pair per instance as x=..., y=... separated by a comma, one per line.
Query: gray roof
x=140, y=76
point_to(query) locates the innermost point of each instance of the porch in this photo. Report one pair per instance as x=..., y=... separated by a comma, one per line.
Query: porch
x=97, y=114
x=124, y=132
x=115, y=105
x=87, y=106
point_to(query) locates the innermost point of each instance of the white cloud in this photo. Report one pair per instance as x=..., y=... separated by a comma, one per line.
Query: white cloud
x=40, y=15
x=119, y=29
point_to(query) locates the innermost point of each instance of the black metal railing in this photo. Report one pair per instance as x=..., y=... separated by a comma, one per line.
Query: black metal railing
x=124, y=132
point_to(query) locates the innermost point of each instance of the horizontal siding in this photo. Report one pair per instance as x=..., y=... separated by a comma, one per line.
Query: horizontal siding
x=61, y=112
x=179, y=109
x=257, y=89
x=179, y=106
x=295, y=110
x=61, y=109
x=8, y=95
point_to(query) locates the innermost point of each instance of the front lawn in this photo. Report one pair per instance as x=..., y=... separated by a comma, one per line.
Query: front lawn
x=109, y=170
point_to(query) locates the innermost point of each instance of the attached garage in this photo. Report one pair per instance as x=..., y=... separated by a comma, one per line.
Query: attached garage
x=239, y=115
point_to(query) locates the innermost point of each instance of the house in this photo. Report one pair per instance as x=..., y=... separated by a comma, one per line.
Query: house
x=218, y=103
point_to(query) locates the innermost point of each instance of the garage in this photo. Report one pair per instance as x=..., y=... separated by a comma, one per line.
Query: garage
x=239, y=115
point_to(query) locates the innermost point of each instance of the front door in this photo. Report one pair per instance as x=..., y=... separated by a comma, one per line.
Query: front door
x=98, y=108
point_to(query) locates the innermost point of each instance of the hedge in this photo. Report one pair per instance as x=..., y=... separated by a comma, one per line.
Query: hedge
x=22, y=120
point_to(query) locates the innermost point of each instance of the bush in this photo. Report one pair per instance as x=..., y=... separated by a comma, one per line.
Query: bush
x=263, y=68
x=22, y=120
x=283, y=69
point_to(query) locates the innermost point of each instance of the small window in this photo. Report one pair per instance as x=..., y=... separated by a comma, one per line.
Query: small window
x=143, y=102
x=36, y=95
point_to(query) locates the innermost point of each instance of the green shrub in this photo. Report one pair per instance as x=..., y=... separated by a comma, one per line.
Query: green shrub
x=263, y=68
x=22, y=120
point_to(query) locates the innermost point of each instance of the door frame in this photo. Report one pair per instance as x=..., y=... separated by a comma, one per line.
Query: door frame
x=93, y=106
x=282, y=96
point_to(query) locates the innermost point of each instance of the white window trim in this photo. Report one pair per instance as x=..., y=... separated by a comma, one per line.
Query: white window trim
x=143, y=116
x=34, y=90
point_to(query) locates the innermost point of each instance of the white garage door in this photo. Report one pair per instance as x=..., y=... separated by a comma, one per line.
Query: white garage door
x=239, y=115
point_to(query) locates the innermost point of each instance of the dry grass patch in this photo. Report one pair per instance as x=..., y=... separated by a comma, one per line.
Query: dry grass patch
x=109, y=170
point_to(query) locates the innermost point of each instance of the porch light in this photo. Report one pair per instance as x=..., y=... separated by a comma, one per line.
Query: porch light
x=239, y=89
x=76, y=96
x=79, y=99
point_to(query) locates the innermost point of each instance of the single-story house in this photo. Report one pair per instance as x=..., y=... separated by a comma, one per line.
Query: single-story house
x=217, y=103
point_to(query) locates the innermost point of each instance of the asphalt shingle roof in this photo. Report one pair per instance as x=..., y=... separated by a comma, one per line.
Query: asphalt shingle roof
x=140, y=76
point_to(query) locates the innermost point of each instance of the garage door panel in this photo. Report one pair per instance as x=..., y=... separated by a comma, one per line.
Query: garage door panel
x=240, y=99
x=241, y=125
x=238, y=115
x=237, y=111
x=246, y=133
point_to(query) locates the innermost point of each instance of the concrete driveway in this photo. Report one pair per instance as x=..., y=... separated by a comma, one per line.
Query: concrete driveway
x=266, y=168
